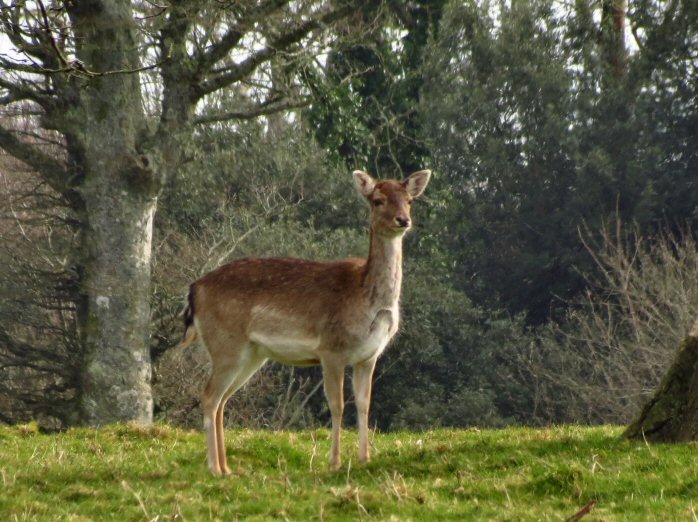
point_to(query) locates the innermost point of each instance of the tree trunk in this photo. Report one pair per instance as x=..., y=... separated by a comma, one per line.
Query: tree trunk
x=613, y=35
x=116, y=368
x=119, y=192
x=671, y=415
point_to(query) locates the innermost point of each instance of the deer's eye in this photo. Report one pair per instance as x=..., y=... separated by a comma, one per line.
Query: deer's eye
x=378, y=202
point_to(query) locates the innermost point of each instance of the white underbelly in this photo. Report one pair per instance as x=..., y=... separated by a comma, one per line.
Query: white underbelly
x=287, y=349
x=282, y=337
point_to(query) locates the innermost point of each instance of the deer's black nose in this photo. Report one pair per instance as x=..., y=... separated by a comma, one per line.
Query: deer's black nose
x=402, y=222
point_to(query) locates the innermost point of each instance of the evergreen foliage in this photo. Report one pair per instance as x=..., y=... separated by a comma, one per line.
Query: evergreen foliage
x=538, y=137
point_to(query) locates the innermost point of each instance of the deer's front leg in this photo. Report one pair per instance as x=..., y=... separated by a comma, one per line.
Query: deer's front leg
x=361, y=380
x=333, y=375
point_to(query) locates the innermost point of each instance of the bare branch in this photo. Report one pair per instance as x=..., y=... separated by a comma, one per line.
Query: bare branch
x=16, y=34
x=49, y=33
x=293, y=35
x=13, y=97
x=218, y=51
x=53, y=171
x=27, y=352
x=21, y=90
x=262, y=109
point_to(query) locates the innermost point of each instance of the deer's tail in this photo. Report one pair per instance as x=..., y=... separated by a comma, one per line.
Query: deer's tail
x=190, y=333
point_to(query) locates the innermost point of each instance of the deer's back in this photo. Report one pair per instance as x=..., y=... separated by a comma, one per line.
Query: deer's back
x=285, y=304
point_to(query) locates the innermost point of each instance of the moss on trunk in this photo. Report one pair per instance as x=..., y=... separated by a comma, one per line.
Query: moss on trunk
x=671, y=415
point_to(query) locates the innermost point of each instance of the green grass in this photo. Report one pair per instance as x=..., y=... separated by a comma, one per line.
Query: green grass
x=130, y=473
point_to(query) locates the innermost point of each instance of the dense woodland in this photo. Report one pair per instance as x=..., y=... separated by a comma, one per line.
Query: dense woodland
x=553, y=269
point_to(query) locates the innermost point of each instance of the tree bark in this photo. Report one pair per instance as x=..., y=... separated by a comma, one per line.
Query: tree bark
x=613, y=35
x=671, y=415
x=116, y=368
x=119, y=188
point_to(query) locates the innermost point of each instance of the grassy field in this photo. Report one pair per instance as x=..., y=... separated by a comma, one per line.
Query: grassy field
x=158, y=473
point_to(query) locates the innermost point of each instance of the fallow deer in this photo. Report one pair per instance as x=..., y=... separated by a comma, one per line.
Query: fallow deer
x=335, y=314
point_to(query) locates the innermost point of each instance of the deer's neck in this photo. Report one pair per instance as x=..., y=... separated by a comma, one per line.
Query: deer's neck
x=384, y=271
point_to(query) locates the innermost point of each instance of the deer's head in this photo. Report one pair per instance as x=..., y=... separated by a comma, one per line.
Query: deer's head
x=391, y=200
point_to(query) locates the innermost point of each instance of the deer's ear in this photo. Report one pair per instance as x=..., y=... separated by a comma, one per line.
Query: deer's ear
x=364, y=183
x=417, y=182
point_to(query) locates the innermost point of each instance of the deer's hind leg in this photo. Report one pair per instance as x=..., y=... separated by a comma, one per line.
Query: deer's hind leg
x=227, y=376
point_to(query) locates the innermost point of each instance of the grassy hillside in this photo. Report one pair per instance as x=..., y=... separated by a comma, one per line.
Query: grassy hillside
x=158, y=473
